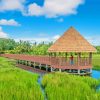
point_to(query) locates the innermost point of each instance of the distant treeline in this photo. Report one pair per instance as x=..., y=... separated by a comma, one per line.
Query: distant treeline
x=25, y=47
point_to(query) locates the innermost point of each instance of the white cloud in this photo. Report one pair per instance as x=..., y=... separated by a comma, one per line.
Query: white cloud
x=94, y=40
x=3, y=34
x=10, y=22
x=50, y=8
x=8, y=5
x=39, y=39
x=54, y=8
x=56, y=37
x=34, y=9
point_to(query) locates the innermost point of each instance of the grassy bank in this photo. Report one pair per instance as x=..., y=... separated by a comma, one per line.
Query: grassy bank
x=61, y=86
x=17, y=84
x=96, y=61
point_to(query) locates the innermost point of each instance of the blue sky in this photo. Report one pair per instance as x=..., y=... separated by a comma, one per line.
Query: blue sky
x=46, y=20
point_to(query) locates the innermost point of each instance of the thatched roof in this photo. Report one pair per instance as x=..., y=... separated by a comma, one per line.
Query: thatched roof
x=71, y=41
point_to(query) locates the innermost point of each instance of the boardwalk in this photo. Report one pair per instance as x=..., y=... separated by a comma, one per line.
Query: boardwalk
x=49, y=63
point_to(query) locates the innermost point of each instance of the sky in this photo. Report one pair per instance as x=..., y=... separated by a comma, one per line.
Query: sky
x=47, y=20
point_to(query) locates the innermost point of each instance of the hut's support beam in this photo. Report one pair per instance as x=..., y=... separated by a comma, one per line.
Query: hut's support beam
x=78, y=71
x=90, y=58
x=60, y=70
x=46, y=67
x=90, y=70
x=34, y=64
x=78, y=60
x=40, y=66
x=70, y=70
x=51, y=69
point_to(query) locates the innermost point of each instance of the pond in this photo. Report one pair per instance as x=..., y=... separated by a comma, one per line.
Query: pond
x=96, y=74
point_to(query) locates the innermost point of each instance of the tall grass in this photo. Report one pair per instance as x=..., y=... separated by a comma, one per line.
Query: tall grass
x=96, y=61
x=61, y=86
x=17, y=84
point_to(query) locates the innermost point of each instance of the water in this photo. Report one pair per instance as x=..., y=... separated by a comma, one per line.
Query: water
x=40, y=83
x=42, y=88
x=96, y=74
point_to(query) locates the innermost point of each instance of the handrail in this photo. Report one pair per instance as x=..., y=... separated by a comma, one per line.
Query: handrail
x=55, y=61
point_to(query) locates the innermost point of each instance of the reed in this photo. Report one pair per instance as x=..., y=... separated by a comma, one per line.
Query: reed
x=61, y=86
x=17, y=84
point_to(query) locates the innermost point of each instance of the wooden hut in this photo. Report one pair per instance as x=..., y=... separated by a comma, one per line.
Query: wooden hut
x=71, y=42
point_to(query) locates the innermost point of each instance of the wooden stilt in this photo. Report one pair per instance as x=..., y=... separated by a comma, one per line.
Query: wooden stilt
x=70, y=70
x=78, y=71
x=90, y=70
x=46, y=67
x=51, y=69
x=90, y=58
x=40, y=66
x=34, y=64
x=60, y=70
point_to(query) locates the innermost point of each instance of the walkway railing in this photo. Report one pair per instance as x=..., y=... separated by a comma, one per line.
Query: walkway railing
x=56, y=62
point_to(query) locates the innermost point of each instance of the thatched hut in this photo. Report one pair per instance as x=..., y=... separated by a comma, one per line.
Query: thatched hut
x=71, y=42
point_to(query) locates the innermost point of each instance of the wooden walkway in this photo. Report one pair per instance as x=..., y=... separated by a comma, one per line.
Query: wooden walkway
x=52, y=63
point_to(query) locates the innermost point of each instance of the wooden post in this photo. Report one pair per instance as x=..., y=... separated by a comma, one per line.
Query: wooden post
x=34, y=64
x=78, y=59
x=79, y=71
x=70, y=70
x=46, y=67
x=60, y=70
x=90, y=70
x=40, y=66
x=90, y=58
x=66, y=58
x=51, y=69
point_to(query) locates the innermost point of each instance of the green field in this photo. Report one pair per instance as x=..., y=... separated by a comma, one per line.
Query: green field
x=61, y=86
x=17, y=84
x=96, y=61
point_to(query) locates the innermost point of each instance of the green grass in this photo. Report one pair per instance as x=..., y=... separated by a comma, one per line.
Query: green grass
x=17, y=84
x=61, y=86
x=96, y=61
